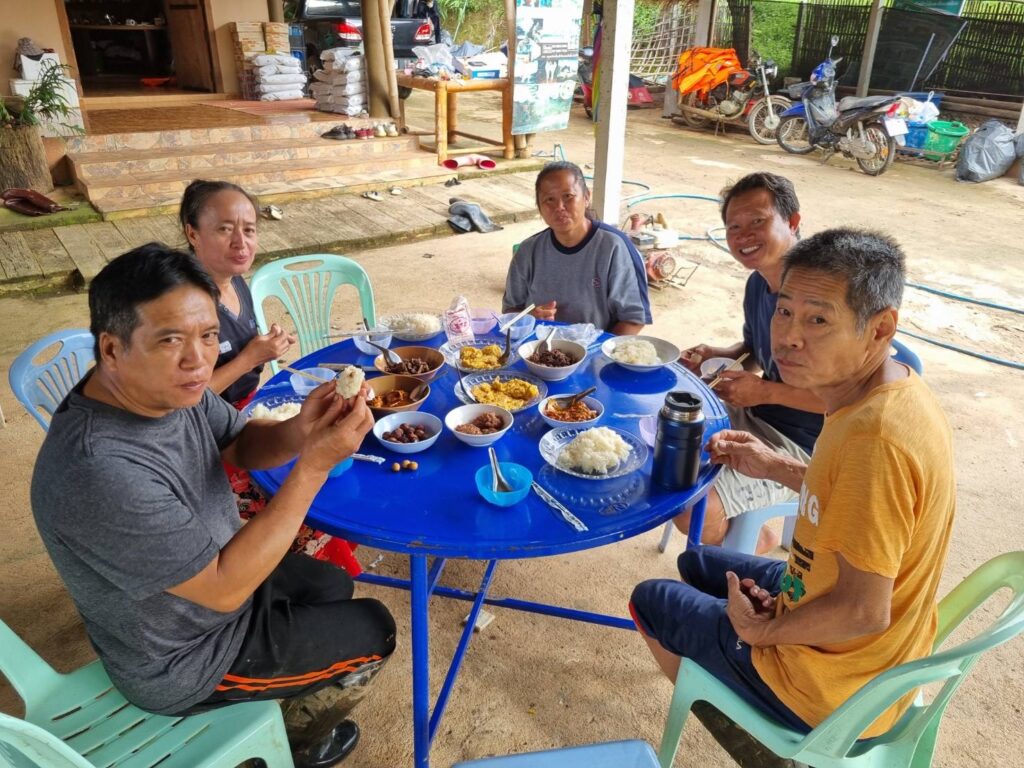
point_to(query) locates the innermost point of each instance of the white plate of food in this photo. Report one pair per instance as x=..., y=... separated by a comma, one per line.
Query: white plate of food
x=481, y=354
x=413, y=325
x=512, y=390
x=598, y=453
x=642, y=354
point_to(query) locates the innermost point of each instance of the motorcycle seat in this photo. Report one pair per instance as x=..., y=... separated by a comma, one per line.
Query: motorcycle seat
x=863, y=102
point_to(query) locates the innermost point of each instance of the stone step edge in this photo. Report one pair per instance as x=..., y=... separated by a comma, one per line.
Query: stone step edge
x=242, y=170
x=423, y=179
x=75, y=280
x=255, y=145
x=108, y=142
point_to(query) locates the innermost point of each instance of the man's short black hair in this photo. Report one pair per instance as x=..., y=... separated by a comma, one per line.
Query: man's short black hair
x=781, y=189
x=872, y=264
x=137, y=277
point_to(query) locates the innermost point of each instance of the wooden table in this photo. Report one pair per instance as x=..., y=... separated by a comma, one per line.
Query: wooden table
x=446, y=131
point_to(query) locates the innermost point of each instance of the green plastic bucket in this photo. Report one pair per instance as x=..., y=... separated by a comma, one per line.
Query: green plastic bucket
x=944, y=136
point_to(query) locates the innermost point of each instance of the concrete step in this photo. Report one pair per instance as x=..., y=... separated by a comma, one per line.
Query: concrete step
x=198, y=137
x=272, y=184
x=210, y=160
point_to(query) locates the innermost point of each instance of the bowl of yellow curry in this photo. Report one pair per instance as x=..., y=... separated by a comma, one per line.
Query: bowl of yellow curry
x=511, y=390
x=481, y=354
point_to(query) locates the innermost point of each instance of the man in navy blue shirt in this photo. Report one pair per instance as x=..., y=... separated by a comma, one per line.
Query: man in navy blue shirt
x=762, y=220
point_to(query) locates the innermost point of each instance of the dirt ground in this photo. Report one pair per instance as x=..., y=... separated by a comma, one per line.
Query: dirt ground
x=531, y=682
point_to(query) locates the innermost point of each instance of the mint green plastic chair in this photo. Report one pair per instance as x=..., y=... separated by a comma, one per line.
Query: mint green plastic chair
x=306, y=286
x=612, y=754
x=911, y=742
x=79, y=720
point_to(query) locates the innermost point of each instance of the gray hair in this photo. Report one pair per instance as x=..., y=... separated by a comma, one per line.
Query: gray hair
x=872, y=264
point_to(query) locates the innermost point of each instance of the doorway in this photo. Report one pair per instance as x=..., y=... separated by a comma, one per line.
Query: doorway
x=140, y=47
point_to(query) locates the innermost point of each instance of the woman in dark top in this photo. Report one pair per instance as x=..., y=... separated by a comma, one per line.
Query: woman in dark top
x=219, y=220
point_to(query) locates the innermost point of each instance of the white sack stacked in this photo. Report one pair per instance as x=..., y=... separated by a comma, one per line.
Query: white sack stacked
x=341, y=85
x=278, y=77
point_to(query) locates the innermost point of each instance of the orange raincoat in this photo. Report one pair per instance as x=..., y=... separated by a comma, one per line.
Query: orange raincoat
x=701, y=69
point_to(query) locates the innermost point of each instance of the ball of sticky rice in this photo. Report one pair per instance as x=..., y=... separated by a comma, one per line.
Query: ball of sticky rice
x=349, y=381
x=595, y=451
x=636, y=352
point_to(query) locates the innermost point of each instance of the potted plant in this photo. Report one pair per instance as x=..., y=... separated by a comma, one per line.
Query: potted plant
x=22, y=156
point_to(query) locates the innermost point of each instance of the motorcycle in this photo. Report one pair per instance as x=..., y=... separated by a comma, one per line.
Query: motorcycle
x=638, y=94
x=861, y=128
x=744, y=98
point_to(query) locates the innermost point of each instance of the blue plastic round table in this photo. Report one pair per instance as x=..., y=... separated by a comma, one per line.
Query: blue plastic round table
x=437, y=511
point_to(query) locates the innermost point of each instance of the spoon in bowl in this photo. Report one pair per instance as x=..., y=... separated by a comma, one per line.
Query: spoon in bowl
x=462, y=383
x=504, y=356
x=567, y=402
x=498, y=482
x=389, y=357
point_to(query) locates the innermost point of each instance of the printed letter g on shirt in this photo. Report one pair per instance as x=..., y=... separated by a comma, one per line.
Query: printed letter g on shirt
x=808, y=505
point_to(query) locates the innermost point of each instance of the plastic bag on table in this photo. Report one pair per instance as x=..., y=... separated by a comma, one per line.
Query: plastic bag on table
x=582, y=333
x=439, y=53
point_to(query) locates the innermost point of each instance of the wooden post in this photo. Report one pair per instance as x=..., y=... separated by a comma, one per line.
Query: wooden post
x=388, y=45
x=798, y=37
x=376, y=69
x=1020, y=123
x=276, y=10
x=506, y=122
x=616, y=36
x=701, y=37
x=441, y=120
x=453, y=117
x=867, y=60
x=520, y=142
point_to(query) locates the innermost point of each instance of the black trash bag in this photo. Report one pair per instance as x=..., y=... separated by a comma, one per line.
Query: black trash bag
x=987, y=154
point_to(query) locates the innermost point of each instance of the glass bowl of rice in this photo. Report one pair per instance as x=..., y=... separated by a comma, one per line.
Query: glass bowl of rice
x=598, y=453
x=413, y=325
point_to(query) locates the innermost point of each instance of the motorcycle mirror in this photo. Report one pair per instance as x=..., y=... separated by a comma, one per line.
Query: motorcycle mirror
x=835, y=40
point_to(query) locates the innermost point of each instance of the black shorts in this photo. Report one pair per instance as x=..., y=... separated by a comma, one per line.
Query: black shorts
x=304, y=633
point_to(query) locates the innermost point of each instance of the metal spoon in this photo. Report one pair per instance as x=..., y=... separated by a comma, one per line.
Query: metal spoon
x=498, y=482
x=462, y=383
x=545, y=343
x=567, y=402
x=420, y=390
x=390, y=357
x=504, y=356
x=517, y=318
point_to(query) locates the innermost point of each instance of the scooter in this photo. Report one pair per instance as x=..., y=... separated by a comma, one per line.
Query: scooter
x=861, y=128
x=744, y=98
x=638, y=95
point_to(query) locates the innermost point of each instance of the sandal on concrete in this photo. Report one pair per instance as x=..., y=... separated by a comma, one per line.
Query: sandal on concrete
x=375, y=196
x=396, y=191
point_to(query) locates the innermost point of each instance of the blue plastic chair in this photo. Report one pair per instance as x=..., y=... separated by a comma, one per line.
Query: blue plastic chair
x=911, y=742
x=306, y=286
x=614, y=754
x=745, y=529
x=41, y=387
x=79, y=720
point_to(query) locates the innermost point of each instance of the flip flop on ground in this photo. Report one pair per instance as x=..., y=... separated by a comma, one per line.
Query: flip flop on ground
x=375, y=196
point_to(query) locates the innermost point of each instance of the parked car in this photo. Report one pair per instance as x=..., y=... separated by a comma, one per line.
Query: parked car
x=338, y=24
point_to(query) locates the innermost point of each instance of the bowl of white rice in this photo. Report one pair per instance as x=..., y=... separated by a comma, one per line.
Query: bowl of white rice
x=413, y=326
x=274, y=408
x=598, y=453
x=640, y=353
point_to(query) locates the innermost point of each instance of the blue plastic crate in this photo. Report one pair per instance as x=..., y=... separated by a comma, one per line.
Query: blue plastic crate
x=923, y=96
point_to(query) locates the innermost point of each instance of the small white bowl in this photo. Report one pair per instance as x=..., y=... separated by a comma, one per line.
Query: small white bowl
x=550, y=373
x=466, y=413
x=381, y=336
x=428, y=421
x=592, y=403
x=304, y=386
x=667, y=352
x=712, y=364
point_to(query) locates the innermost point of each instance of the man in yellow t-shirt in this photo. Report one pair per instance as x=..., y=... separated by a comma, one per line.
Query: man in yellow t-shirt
x=857, y=595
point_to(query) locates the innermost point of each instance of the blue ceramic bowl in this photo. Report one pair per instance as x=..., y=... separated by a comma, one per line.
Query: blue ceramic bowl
x=340, y=469
x=518, y=476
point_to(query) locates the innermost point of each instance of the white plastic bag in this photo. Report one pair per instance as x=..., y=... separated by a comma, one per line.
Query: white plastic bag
x=439, y=53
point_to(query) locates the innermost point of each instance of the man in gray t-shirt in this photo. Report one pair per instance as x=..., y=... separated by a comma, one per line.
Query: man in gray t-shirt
x=187, y=608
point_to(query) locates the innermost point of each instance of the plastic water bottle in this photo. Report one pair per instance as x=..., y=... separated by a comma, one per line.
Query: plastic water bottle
x=679, y=441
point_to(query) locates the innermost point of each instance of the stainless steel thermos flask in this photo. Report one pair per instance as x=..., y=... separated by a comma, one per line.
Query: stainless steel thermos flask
x=679, y=441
